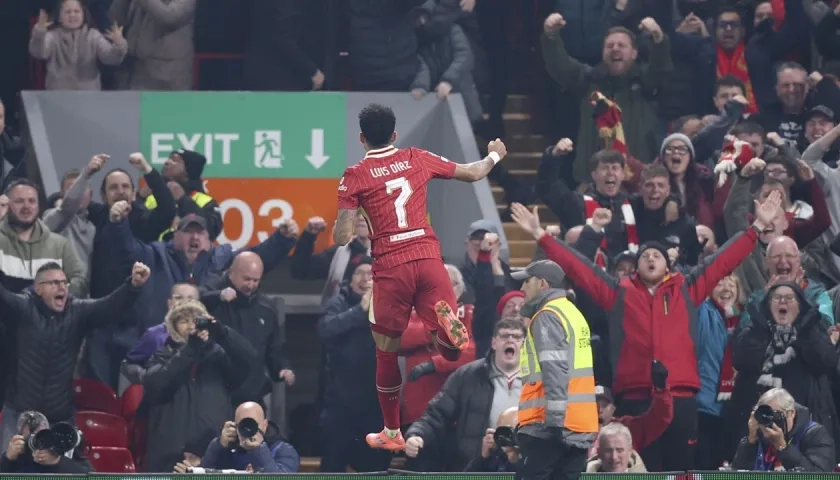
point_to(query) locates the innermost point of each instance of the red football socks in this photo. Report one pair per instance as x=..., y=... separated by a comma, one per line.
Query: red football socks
x=388, y=384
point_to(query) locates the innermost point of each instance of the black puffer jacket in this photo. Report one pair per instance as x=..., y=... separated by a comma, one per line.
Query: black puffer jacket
x=48, y=345
x=188, y=389
x=383, y=45
x=458, y=416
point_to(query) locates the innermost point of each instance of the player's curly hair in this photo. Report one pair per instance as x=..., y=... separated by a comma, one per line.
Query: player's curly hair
x=377, y=123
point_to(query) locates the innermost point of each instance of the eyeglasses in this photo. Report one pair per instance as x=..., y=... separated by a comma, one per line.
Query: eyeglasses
x=681, y=149
x=727, y=24
x=787, y=298
x=510, y=336
x=55, y=283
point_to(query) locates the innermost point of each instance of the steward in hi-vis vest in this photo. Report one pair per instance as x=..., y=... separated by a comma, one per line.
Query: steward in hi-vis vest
x=558, y=414
x=183, y=170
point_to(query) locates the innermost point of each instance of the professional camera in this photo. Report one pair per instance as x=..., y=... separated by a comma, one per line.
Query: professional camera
x=765, y=415
x=505, y=437
x=202, y=323
x=60, y=439
x=248, y=427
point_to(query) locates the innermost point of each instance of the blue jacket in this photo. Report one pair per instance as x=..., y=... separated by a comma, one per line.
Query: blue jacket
x=712, y=339
x=170, y=267
x=275, y=455
x=815, y=293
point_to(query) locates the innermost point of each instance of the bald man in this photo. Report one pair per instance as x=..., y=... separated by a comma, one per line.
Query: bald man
x=234, y=300
x=784, y=264
x=494, y=458
x=266, y=451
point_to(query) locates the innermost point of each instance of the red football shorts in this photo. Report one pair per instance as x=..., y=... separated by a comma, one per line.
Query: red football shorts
x=418, y=284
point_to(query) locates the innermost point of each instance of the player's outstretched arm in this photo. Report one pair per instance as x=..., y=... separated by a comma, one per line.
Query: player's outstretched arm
x=475, y=171
x=345, y=226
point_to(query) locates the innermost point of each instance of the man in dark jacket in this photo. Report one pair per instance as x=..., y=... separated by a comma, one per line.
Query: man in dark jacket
x=277, y=55
x=189, y=381
x=383, y=45
x=473, y=395
x=182, y=172
x=106, y=274
x=446, y=62
x=265, y=452
x=188, y=257
x=794, y=443
x=573, y=208
x=350, y=408
x=234, y=300
x=652, y=313
x=50, y=326
x=18, y=458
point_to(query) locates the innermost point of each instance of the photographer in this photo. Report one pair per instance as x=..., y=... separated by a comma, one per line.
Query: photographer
x=251, y=441
x=782, y=437
x=499, y=451
x=189, y=381
x=35, y=449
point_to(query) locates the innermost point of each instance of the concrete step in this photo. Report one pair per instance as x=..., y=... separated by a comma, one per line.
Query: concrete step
x=526, y=176
x=515, y=103
x=516, y=124
x=514, y=233
x=522, y=160
x=522, y=248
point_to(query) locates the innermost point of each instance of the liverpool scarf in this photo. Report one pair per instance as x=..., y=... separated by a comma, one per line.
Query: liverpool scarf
x=590, y=205
x=607, y=115
x=727, y=372
x=734, y=156
x=736, y=65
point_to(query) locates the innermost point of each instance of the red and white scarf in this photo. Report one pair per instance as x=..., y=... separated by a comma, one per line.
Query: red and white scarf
x=726, y=383
x=590, y=205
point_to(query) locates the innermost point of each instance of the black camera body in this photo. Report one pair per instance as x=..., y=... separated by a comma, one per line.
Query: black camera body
x=247, y=428
x=202, y=323
x=60, y=438
x=765, y=415
x=505, y=437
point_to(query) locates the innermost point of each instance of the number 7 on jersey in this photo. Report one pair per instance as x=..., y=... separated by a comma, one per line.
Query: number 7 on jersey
x=404, y=187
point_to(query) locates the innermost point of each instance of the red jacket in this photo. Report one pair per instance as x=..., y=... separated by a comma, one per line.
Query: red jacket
x=645, y=327
x=649, y=426
x=417, y=347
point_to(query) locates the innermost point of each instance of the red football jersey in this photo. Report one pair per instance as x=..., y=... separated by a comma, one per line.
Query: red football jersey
x=389, y=184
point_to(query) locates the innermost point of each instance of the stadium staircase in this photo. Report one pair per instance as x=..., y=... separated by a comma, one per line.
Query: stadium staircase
x=525, y=148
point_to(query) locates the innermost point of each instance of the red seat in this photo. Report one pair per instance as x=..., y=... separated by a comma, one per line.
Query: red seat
x=92, y=395
x=111, y=460
x=103, y=429
x=130, y=401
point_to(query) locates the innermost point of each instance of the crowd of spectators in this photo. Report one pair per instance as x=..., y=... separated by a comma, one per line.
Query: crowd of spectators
x=691, y=165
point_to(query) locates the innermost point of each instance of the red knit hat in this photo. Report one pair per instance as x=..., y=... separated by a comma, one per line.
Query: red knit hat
x=506, y=298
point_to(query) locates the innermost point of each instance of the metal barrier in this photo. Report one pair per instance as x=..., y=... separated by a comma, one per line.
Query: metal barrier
x=454, y=476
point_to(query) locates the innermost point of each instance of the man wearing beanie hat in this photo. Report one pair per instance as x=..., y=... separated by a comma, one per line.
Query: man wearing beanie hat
x=182, y=171
x=350, y=405
x=653, y=314
x=510, y=304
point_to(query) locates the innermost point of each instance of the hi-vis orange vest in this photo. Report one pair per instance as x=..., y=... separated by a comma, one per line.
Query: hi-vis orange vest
x=580, y=411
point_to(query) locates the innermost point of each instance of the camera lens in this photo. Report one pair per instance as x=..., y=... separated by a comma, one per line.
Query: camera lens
x=248, y=427
x=43, y=440
x=202, y=323
x=764, y=415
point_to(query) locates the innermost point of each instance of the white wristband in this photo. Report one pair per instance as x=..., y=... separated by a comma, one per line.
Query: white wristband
x=495, y=157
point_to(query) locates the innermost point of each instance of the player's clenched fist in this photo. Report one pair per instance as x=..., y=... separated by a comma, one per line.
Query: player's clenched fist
x=553, y=24
x=316, y=225
x=119, y=211
x=497, y=146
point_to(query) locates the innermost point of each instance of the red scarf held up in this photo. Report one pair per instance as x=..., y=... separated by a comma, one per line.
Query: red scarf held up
x=727, y=372
x=736, y=65
x=590, y=205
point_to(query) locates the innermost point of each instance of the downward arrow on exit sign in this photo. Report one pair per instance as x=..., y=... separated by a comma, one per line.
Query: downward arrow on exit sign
x=316, y=156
